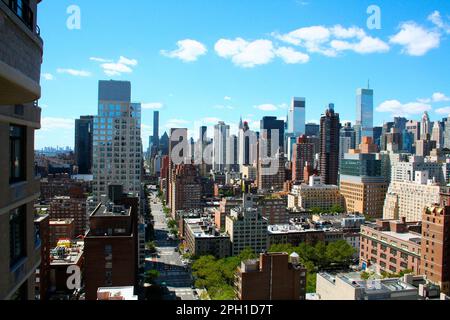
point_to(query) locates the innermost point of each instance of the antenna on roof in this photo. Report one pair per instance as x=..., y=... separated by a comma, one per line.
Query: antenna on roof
x=368, y=84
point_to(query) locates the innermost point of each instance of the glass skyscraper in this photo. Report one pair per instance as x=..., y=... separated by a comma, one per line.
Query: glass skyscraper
x=364, y=111
x=117, y=152
x=297, y=117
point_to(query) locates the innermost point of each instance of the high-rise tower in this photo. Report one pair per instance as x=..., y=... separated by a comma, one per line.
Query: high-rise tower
x=329, y=146
x=117, y=139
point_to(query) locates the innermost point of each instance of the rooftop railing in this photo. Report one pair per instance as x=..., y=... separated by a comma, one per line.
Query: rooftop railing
x=23, y=11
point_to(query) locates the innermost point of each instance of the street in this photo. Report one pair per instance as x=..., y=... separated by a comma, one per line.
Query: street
x=173, y=274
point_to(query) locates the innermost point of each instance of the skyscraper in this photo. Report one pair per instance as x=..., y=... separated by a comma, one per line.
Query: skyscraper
x=312, y=130
x=303, y=155
x=296, y=117
x=244, y=144
x=271, y=127
x=364, y=112
x=84, y=138
x=221, y=138
x=347, y=140
x=425, y=127
x=156, y=129
x=329, y=146
x=117, y=139
x=361, y=182
x=438, y=134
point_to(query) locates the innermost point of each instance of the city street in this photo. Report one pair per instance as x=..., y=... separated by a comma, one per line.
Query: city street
x=173, y=274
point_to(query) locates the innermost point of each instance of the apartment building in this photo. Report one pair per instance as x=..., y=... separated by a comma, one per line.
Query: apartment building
x=404, y=168
x=275, y=276
x=361, y=182
x=247, y=228
x=61, y=229
x=409, y=199
x=273, y=208
x=21, y=49
x=314, y=195
x=111, y=253
x=436, y=244
x=70, y=208
x=391, y=246
x=186, y=189
x=202, y=239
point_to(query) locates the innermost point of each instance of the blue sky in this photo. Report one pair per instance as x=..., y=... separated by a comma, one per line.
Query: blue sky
x=200, y=61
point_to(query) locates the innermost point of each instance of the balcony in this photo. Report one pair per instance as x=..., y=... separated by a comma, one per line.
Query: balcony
x=20, y=52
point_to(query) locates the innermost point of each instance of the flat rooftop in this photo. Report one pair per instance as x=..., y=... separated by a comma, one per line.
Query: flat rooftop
x=195, y=225
x=116, y=293
x=291, y=228
x=370, y=286
x=407, y=237
x=111, y=210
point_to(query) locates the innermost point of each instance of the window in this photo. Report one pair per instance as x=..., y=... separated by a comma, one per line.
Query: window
x=17, y=237
x=17, y=154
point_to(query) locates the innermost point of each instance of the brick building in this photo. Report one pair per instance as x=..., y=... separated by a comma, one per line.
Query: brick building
x=61, y=229
x=435, y=263
x=111, y=247
x=275, y=276
x=391, y=246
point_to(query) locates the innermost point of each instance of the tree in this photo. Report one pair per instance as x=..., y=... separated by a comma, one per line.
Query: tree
x=317, y=210
x=172, y=224
x=151, y=276
x=337, y=209
x=340, y=252
x=151, y=246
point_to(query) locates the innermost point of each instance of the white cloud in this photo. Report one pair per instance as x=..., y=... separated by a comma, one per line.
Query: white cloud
x=128, y=62
x=51, y=123
x=307, y=36
x=439, y=97
x=115, y=69
x=266, y=107
x=437, y=20
x=365, y=46
x=188, y=50
x=415, y=39
x=291, y=56
x=443, y=111
x=152, y=105
x=244, y=53
x=96, y=59
x=330, y=41
x=111, y=68
x=74, y=72
x=227, y=98
x=436, y=97
x=396, y=108
x=347, y=33
x=48, y=76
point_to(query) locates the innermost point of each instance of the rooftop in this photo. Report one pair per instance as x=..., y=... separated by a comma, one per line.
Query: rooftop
x=116, y=293
x=370, y=286
x=68, y=254
x=61, y=222
x=111, y=210
x=202, y=228
x=295, y=228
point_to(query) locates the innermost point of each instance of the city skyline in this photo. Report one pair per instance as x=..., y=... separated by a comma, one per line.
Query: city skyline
x=174, y=82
